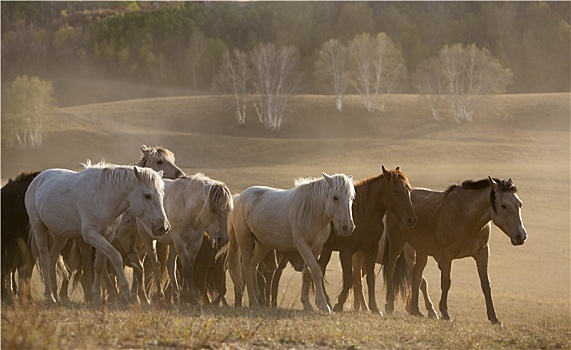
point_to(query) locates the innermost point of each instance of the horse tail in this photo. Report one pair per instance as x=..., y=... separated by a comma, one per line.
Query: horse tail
x=74, y=263
x=233, y=262
x=401, y=277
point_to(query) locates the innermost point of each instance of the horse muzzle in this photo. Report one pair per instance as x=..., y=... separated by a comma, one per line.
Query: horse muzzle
x=346, y=230
x=161, y=229
x=219, y=242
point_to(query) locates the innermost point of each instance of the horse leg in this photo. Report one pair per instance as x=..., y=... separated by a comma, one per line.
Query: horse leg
x=246, y=247
x=323, y=260
x=103, y=246
x=310, y=259
x=87, y=254
x=427, y=302
x=445, y=266
x=153, y=257
x=276, y=279
x=482, y=264
x=56, y=261
x=358, y=298
x=171, y=267
x=187, y=250
x=370, y=260
x=347, y=268
x=258, y=255
x=420, y=264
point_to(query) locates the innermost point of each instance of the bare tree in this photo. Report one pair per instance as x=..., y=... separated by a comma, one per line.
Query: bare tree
x=233, y=80
x=360, y=50
x=430, y=82
x=377, y=65
x=471, y=75
x=332, y=68
x=30, y=103
x=388, y=68
x=274, y=79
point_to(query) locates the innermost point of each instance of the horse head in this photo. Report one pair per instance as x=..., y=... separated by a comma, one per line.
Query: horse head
x=146, y=200
x=396, y=196
x=160, y=158
x=339, y=202
x=506, y=210
x=217, y=206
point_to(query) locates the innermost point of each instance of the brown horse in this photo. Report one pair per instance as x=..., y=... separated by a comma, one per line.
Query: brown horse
x=389, y=191
x=455, y=224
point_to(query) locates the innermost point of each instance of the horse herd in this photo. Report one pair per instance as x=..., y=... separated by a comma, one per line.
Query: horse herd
x=87, y=226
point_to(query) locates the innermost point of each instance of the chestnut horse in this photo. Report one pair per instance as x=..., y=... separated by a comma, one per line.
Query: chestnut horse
x=455, y=224
x=389, y=191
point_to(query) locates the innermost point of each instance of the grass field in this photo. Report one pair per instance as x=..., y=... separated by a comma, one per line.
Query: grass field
x=523, y=137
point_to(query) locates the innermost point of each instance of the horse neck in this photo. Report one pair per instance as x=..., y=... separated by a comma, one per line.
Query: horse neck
x=475, y=207
x=119, y=190
x=369, y=197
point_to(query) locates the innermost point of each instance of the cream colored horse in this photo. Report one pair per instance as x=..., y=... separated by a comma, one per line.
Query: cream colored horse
x=299, y=219
x=194, y=205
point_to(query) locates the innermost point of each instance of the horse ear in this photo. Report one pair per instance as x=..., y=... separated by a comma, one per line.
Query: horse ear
x=386, y=173
x=328, y=178
x=145, y=150
x=161, y=173
x=136, y=171
x=494, y=184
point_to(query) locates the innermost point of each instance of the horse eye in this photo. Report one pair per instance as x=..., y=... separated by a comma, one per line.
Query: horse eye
x=395, y=191
x=147, y=196
x=504, y=206
x=159, y=162
x=335, y=198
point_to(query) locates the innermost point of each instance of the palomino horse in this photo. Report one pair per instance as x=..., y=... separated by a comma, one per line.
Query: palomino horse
x=126, y=239
x=15, y=253
x=299, y=219
x=87, y=204
x=193, y=204
x=455, y=224
x=389, y=191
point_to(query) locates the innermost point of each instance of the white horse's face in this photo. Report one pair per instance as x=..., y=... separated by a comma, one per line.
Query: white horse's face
x=146, y=202
x=339, y=203
x=215, y=217
x=507, y=213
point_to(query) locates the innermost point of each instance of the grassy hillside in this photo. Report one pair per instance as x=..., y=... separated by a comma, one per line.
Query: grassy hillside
x=523, y=137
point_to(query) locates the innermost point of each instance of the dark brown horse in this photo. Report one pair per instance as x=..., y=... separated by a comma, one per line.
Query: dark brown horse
x=15, y=253
x=455, y=224
x=389, y=191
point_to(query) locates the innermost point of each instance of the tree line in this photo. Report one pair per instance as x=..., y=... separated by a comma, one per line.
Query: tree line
x=183, y=43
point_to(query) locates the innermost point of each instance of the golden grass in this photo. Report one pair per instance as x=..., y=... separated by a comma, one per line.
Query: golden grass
x=525, y=137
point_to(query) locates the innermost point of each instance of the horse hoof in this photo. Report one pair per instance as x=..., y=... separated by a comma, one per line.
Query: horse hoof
x=433, y=315
x=338, y=308
x=307, y=307
x=389, y=309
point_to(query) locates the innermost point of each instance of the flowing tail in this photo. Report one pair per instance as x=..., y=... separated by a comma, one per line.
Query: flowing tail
x=401, y=277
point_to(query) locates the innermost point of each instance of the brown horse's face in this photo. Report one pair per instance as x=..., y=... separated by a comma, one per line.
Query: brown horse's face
x=397, y=198
x=507, y=215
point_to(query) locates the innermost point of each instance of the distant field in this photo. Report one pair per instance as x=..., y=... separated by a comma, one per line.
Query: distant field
x=523, y=137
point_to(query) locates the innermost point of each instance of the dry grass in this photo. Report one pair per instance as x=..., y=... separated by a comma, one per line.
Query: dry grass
x=525, y=137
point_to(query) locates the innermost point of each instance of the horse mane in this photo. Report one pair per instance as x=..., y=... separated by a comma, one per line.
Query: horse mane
x=118, y=175
x=23, y=175
x=157, y=152
x=310, y=195
x=503, y=185
x=219, y=195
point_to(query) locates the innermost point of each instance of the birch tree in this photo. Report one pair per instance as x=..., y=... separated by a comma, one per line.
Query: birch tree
x=332, y=69
x=429, y=82
x=376, y=65
x=233, y=80
x=360, y=50
x=471, y=75
x=30, y=103
x=388, y=68
x=274, y=79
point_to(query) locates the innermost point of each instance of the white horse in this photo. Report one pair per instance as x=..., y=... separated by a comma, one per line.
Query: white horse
x=87, y=204
x=126, y=239
x=299, y=219
x=194, y=205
